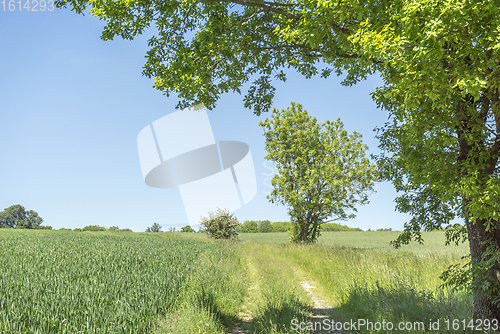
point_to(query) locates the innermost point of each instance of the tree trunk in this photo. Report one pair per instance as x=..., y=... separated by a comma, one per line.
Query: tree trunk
x=484, y=308
x=304, y=232
x=479, y=238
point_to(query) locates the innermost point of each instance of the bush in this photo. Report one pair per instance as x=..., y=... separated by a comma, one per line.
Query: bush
x=220, y=224
x=94, y=228
x=187, y=229
x=125, y=230
x=77, y=229
x=156, y=228
x=64, y=229
x=113, y=228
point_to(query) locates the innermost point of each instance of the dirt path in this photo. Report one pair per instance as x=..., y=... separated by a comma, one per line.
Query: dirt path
x=322, y=310
x=245, y=315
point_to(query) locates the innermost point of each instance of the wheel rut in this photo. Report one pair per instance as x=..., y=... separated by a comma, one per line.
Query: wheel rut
x=321, y=308
x=245, y=314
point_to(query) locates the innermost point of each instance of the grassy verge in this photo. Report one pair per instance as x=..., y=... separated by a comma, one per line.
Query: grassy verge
x=368, y=279
x=212, y=296
x=382, y=286
x=279, y=298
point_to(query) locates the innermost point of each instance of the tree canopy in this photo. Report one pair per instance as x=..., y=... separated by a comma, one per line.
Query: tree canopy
x=439, y=62
x=322, y=170
x=16, y=216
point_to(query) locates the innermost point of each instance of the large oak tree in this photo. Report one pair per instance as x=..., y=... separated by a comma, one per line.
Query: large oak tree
x=439, y=61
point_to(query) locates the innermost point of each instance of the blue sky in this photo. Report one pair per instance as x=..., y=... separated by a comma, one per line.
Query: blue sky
x=72, y=106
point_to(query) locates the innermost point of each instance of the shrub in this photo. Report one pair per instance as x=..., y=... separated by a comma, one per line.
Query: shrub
x=187, y=228
x=220, y=224
x=125, y=230
x=94, y=228
x=156, y=228
x=113, y=228
x=64, y=229
x=77, y=229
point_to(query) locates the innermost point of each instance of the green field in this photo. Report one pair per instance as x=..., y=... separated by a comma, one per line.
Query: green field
x=434, y=242
x=70, y=282
x=111, y=282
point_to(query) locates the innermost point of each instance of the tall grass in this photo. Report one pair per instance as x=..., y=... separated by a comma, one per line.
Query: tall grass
x=75, y=282
x=381, y=285
x=279, y=298
x=212, y=296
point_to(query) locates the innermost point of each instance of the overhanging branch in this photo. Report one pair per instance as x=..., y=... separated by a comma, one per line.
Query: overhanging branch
x=273, y=7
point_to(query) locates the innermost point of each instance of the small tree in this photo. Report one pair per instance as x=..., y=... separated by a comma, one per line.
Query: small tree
x=113, y=228
x=187, y=229
x=220, y=224
x=156, y=228
x=322, y=171
x=16, y=216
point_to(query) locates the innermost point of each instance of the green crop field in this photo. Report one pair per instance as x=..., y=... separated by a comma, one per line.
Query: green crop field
x=112, y=282
x=78, y=282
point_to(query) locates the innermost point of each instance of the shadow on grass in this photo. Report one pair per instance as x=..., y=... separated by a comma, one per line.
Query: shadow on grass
x=209, y=302
x=403, y=302
x=279, y=315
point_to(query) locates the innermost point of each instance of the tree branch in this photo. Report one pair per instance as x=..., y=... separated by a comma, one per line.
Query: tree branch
x=266, y=6
x=495, y=148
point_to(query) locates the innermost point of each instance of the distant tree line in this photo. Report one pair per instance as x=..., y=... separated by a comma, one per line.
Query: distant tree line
x=380, y=230
x=266, y=226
